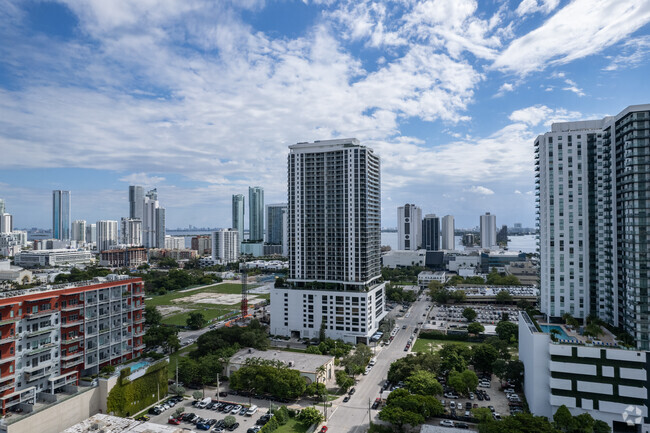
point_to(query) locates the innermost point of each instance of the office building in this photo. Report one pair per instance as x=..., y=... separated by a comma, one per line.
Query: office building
x=131, y=231
x=153, y=224
x=225, y=246
x=79, y=231
x=51, y=336
x=91, y=233
x=431, y=233
x=106, y=235
x=256, y=213
x=136, y=202
x=409, y=227
x=275, y=222
x=53, y=257
x=448, y=233
x=61, y=214
x=6, y=223
x=238, y=214
x=488, y=230
x=334, y=243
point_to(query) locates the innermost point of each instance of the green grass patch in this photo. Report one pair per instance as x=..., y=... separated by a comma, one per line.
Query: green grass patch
x=214, y=312
x=176, y=357
x=426, y=345
x=292, y=426
x=167, y=298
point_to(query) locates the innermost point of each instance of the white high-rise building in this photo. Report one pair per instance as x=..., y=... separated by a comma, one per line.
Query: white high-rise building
x=6, y=223
x=153, y=224
x=334, y=228
x=225, y=245
x=256, y=213
x=448, y=229
x=131, y=231
x=174, y=242
x=91, y=233
x=79, y=231
x=488, y=230
x=409, y=227
x=238, y=214
x=106, y=235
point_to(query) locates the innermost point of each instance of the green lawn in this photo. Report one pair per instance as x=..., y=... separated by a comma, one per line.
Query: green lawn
x=292, y=426
x=425, y=344
x=176, y=356
x=166, y=299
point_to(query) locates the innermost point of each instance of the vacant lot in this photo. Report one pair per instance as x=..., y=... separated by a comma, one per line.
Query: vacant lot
x=214, y=302
x=427, y=345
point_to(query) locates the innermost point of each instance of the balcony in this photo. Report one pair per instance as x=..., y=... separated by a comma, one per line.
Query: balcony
x=39, y=314
x=9, y=339
x=37, y=375
x=4, y=388
x=72, y=307
x=72, y=323
x=7, y=359
x=40, y=349
x=138, y=333
x=9, y=321
x=139, y=320
x=72, y=355
x=72, y=340
x=139, y=347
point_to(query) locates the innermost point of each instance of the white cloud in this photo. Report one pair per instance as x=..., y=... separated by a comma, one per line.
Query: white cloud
x=477, y=189
x=517, y=192
x=532, y=6
x=541, y=114
x=572, y=86
x=505, y=88
x=633, y=53
x=142, y=179
x=580, y=29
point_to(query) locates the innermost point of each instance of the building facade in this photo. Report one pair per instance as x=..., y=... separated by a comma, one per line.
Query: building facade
x=91, y=233
x=276, y=215
x=54, y=257
x=334, y=243
x=431, y=233
x=136, y=202
x=409, y=227
x=448, y=233
x=79, y=231
x=106, y=235
x=488, y=230
x=238, y=211
x=123, y=257
x=6, y=223
x=153, y=224
x=131, y=231
x=174, y=242
x=225, y=246
x=50, y=336
x=202, y=244
x=255, y=213
x=61, y=214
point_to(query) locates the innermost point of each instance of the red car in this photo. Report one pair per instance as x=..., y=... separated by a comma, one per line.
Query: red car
x=323, y=429
x=174, y=421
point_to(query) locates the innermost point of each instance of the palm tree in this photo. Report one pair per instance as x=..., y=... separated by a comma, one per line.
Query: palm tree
x=592, y=330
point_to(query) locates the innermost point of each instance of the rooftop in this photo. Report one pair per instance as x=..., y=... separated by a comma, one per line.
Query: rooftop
x=113, y=424
x=303, y=362
x=48, y=287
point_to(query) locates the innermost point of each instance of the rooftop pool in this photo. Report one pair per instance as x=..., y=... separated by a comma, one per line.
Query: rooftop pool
x=562, y=335
x=138, y=365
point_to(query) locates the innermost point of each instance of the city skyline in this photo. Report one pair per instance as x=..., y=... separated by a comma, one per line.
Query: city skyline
x=450, y=96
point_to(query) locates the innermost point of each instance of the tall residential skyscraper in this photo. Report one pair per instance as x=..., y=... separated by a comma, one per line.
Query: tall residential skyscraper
x=488, y=230
x=256, y=213
x=91, y=233
x=106, y=235
x=334, y=230
x=131, y=231
x=2, y=206
x=409, y=227
x=79, y=231
x=592, y=220
x=6, y=223
x=431, y=232
x=136, y=202
x=225, y=245
x=448, y=229
x=61, y=214
x=238, y=214
x=153, y=224
x=274, y=223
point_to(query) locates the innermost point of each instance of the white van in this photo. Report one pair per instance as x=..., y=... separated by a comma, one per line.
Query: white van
x=204, y=403
x=251, y=410
x=372, y=362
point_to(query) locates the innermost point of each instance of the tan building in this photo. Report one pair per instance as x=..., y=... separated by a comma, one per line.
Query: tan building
x=129, y=257
x=14, y=273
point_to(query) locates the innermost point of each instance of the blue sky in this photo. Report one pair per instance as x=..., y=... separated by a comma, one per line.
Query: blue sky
x=201, y=98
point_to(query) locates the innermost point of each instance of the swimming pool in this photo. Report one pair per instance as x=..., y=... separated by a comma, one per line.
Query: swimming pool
x=562, y=335
x=138, y=365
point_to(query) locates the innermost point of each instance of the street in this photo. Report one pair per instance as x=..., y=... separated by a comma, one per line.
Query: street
x=352, y=416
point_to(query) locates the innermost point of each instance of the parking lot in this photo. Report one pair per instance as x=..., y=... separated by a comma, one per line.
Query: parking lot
x=245, y=422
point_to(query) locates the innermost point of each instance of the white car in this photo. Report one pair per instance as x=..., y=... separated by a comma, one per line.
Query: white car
x=236, y=409
x=446, y=423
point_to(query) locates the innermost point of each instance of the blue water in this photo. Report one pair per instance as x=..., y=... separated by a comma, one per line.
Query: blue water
x=138, y=366
x=562, y=335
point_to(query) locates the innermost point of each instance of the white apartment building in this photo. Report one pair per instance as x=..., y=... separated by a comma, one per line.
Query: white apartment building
x=334, y=243
x=78, y=231
x=51, y=258
x=488, y=230
x=131, y=231
x=225, y=246
x=447, y=232
x=409, y=227
x=6, y=223
x=153, y=223
x=106, y=235
x=174, y=242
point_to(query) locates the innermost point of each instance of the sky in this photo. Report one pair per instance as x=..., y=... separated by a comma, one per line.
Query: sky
x=201, y=98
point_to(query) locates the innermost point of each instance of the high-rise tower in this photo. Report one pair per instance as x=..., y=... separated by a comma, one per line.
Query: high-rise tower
x=488, y=230
x=256, y=213
x=136, y=202
x=431, y=232
x=448, y=228
x=274, y=223
x=61, y=214
x=238, y=214
x=409, y=227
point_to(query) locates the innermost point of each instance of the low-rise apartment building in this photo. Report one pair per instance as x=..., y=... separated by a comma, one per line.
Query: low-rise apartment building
x=51, y=335
x=129, y=257
x=49, y=258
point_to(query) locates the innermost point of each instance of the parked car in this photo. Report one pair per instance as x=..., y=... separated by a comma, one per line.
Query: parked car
x=452, y=405
x=462, y=425
x=323, y=429
x=203, y=426
x=242, y=411
x=346, y=399
x=351, y=391
x=446, y=423
x=235, y=409
x=142, y=418
x=174, y=421
x=233, y=427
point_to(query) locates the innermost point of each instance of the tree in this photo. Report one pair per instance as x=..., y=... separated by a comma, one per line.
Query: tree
x=178, y=412
x=464, y=382
x=229, y=421
x=475, y=328
x=152, y=316
x=402, y=368
x=398, y=416
x=563, y=419
x=515, y=373
x=344, y=381
x=196, y=320
x=316, y=389
x=592, y=330
x=423, y=383
x=503, y=297
x=570, y=320
x=197, y=395
x=309, y=416
x=177, y=390
x=457, y=296
x=454, y=357
x=500, y=345
x=500, y=369
x=469, y=314
x=314, y=350
x=167, y=262
x=601, y=427
x=483, y=414
x=483, y=357
x=356, y=362
x=519, y=423
x=507, y=331
x=321, y=332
